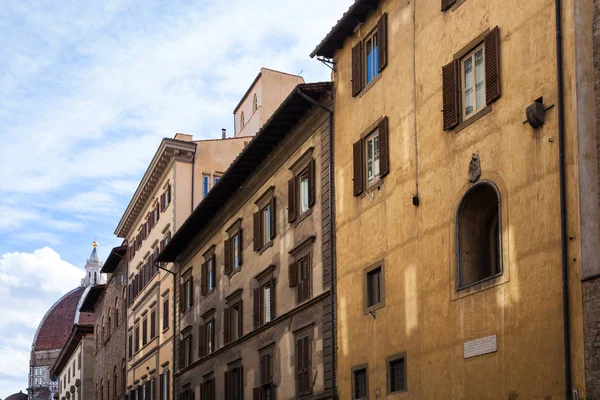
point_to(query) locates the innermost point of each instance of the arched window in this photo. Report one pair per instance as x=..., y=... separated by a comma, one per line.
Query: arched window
x=243, y=120
x=108, y=389
x=115, y=382
x=109, y=325
x=255, y=103
x=103, y=336
x=479, y=235
x=116, y=313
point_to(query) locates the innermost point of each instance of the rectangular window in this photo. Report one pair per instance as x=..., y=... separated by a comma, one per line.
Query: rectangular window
x=130, y=348
x=267, y=302
x=301, y=187
x=234, y=383
x=265, y=220
x=304, y=195
x=303, y=288
x=187, y=293
x=205, y=185
x=265, y=389
x=166, y=313
x=396, y=373
x=186, y=350
x=264, y=298
x=371, y=57
x=207, y=388
x=210, y=334
x=374, y=287
x=152, y=324
x=137, y=337
x=303, y=364
x=144, y=331
x=372, y=157
x=211, y=274
x=266, y=224
x=359, y=384
x=473, y=82
x=235, y=247
x=164, y=386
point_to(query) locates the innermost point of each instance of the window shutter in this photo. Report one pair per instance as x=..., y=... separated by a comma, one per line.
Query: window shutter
x=228, y=257
x=257, y=231
x=292, y=199
x=256, y=393
x=214, y=275
x=203, y=391
x=191, y=291
x=446, y=4
x=240, y=320
x=306, y=283
x=384, y=148
x=272, y=298
x=226, y=385
x=382, y=36
x=168, y=194
x=293, y=274
x=240, y=246
x=358, y=167
x=202, y=341
x=357, y=67
x=492, y=65
x=226, y=324
x=161, y=387
x=203, y=279
x=273, y=218
x=256, y=301
x=299, y=364
x=311, y=182
x=450, y=94
x=241, y=382
x=162, y=202
x=168, y=379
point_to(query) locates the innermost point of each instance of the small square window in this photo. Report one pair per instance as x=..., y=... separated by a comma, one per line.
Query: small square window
x=396, y=373
x=374, y=289
x=360, y=389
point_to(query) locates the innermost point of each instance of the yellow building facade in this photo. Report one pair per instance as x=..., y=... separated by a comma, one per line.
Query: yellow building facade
x=448, y=202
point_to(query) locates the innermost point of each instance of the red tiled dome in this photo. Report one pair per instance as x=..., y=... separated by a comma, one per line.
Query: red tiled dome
x=17, y=396
x=55, y=328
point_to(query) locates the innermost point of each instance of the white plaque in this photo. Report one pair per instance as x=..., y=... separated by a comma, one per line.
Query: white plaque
x=481, y=346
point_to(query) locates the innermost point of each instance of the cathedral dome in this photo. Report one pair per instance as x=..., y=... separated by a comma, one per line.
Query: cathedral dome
x=17, y=396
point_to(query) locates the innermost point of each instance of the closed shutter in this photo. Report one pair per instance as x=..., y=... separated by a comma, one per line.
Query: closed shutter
x=240, y=320
x=273, y=218
x=203, y=279
x=359, y=168
x=226, y=325
x=256, y=238
x=450, y=94
x=162, y=201
x=228, y=257
x=201, y=341
x=181, y=298
x=384, y=148
x=214, y=271
x=168, y=379
x=293, y=274
x=226, y=387
x=203, y=391
x=306, y=357
x=256, y=393
x=492, y=65
x=240, y=247
x=148, y=390
x=382, y=36
x=357, y=69
x=311, y=182
x=161, y=387
x=256, y=308
x=299, y=367
x=153, y=324
x=241, y=382
x=292, y=200
x=168, y=195
x=446, y=4
x=191, y=291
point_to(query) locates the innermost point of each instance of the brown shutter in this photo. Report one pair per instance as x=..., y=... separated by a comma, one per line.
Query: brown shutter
x=357, y=69
x=162, y=202
x=273, y=218
x=226, y=386
x=201, y=341
x=299, y=365
x=181, y=297
x=293, y=273
x=446, y=4
x=492, y=65
x=256, y=301
x=240, y=246
x=256, y=240
x=382, y=36
x=307, y=279
x=311, y=182
x=240, y=320
x=450, y=94
x=226, y=324
x=191, y=291
x=241, y=382
x=203, y=279
x=272, y=298
x=256, y=393
x=214, y=275
x=228, y=256
x=292, y=199
x=384, y=148
x=359, y=168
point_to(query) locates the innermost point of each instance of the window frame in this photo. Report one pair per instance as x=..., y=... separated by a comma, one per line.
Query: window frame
x=187, y=287
x=375, y=182
x=208, y=281
x=303, y=251
x=366, y=272
x=355, y=369
x=266, y=201
x=205, y=185
x=237, y=368
x=462, y=95
x=186, y=353
x=254, y=103
x=165, y=316
x=208, y=319
x=305, y=166
x=264, y=279
x=306, y=336
x=375, y=55
x=388, y=362
x=235, y=325
x=234, y=233
x=266, y=354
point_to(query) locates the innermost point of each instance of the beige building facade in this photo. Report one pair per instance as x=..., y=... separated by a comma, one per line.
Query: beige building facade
x=75, y=365
x=460, y=259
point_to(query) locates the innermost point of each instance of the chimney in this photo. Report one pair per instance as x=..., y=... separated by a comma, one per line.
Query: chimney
x=224, y=133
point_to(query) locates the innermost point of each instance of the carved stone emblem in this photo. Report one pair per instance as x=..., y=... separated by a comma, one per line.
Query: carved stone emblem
x=474, y=168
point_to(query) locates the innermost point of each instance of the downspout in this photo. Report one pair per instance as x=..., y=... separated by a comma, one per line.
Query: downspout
x=563, y=200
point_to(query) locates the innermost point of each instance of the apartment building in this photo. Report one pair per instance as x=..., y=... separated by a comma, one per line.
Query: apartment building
x=466, y=198
x=254, y=267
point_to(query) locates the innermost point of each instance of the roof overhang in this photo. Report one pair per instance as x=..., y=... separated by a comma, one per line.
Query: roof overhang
x=114, y=258
x=89, y=303
x=298, y=103
x=77, y=333
x=169, y=150
x=356, y=14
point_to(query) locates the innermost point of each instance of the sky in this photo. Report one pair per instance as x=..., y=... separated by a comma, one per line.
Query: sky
x=87, y=92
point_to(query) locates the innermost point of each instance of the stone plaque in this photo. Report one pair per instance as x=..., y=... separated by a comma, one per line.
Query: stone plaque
x=481, y=346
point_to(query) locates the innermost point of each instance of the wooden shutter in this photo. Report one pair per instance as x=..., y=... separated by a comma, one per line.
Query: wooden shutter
x=299, y=367
x=359, y=168
x=446, y=4
x=256, y=393
x=167, y=384
x=273, y=218
x=293, y=273
x=272, y=298
x=492, y=65
x=357, y=69
x=203, y=279
x=181, y=297
x=203, y=395
x=256, y=240
x=228, y=256
x=226, y=386
x=162, y=201
x=214, y=272
x=384, y=148
x=240, y=247
x=450, y=94
x=382, y=36
x=226, y=324
x=161, y=387
x=201, y=341
x=312, y=170
x=191, y=291
x=241, y=382
x=256, y=302
x=292, y=199
x=240, y=320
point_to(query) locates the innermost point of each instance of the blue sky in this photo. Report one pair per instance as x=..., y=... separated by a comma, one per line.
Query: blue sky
x=87, y=91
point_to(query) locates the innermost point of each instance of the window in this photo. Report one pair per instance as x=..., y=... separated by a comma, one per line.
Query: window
x=300, y=269
x=301, y=187
x=243, y=120
x=264, y=298
x=206, y=339
x=369, y=57
x=164, y=385
x=187, y=292
x=187, y=393
x=166, y=313
x=208, y=272
x=165, y=198
x=374, y=293
x=471, y=81
x=359, y=383
x=186, y=347
x=266, y=390
x=207, y=388
x=265, y=221
x=233, y=248
x=152, y=324
x=303, y=364
x=255, y=103
x=144, y=331
x=130, y=348
x=234, y=383
x=479, y=235
x=205, y=183
x=216, y=179
x=371, y=158
x=137, y=337
x=396, y=373
x=233, y=324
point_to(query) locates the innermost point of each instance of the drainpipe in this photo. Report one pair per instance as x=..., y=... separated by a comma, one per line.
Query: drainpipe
x=563, y=201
